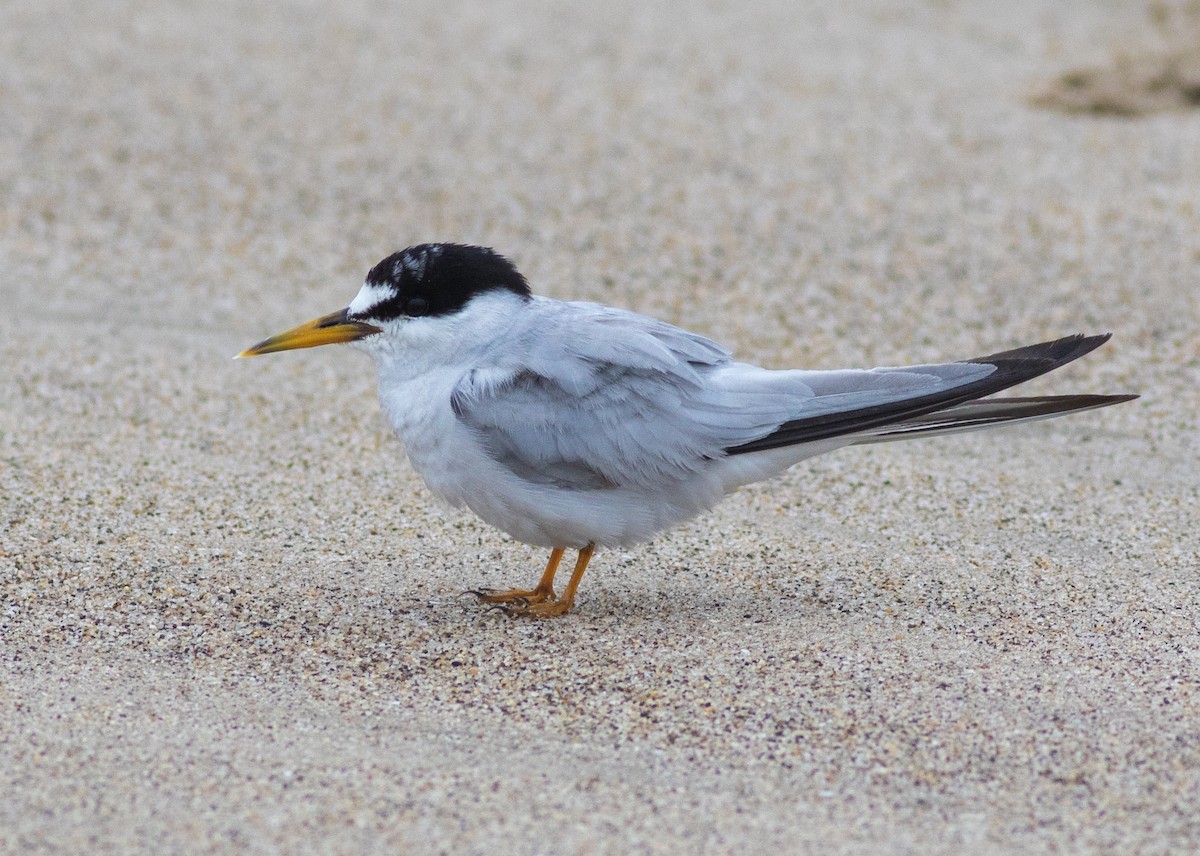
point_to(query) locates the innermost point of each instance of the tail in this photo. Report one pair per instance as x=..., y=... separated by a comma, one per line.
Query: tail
x=986, y=414
x=957, y=408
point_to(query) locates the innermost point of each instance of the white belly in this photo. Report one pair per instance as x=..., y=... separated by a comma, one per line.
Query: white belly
x=458, y=471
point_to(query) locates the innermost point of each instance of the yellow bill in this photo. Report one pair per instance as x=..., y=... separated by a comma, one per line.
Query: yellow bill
x=326, y=330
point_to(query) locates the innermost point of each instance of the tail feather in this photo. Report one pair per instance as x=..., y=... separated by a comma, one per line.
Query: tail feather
x=989, y=413
x=1010, y=368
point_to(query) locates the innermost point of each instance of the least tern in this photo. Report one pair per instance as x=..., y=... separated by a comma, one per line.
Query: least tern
x=575, y=425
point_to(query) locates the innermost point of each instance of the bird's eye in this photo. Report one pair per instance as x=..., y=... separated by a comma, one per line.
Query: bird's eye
x=416, y=307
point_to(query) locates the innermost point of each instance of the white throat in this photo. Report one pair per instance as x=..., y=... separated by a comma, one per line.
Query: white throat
x=411, y=347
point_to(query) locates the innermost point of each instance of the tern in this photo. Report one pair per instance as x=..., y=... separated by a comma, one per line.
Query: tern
x=573, y=425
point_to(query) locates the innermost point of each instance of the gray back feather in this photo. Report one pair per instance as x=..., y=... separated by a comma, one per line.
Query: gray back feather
x=587, y=397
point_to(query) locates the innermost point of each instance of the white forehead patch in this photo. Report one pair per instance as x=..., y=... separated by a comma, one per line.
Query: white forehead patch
x=370, y=295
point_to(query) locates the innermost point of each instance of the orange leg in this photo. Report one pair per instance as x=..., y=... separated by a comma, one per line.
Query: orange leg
x=543, y=592
x=561, y=606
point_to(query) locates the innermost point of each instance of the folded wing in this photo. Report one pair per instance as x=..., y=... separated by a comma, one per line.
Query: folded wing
x=591, y=398
x=1006, y=369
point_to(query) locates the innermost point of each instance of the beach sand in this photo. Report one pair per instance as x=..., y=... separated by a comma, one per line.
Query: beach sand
x=230, y=613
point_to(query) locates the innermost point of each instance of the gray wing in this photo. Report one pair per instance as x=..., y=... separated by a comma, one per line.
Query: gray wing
x=1003, y=370
x=587, y=397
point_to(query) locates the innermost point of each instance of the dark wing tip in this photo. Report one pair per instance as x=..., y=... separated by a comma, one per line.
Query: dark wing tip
x=1021, y=364
x=1011, y=368
x=1059, y=352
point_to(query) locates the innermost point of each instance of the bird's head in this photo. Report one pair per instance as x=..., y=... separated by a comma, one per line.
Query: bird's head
x=426, y=281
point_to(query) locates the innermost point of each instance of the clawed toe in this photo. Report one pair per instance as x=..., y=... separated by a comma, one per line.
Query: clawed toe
x=514, y=596
x=539, y=602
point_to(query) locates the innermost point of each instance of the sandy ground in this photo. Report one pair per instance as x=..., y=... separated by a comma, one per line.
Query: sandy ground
x=229, y=612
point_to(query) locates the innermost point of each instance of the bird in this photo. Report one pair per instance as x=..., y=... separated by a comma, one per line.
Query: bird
x=576, y=426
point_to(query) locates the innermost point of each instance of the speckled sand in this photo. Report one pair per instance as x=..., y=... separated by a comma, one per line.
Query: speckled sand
x=229, y=612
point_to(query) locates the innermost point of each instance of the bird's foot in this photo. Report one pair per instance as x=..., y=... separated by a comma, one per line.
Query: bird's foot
x=540, y=609
x=540, y=602
x=514, y=596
